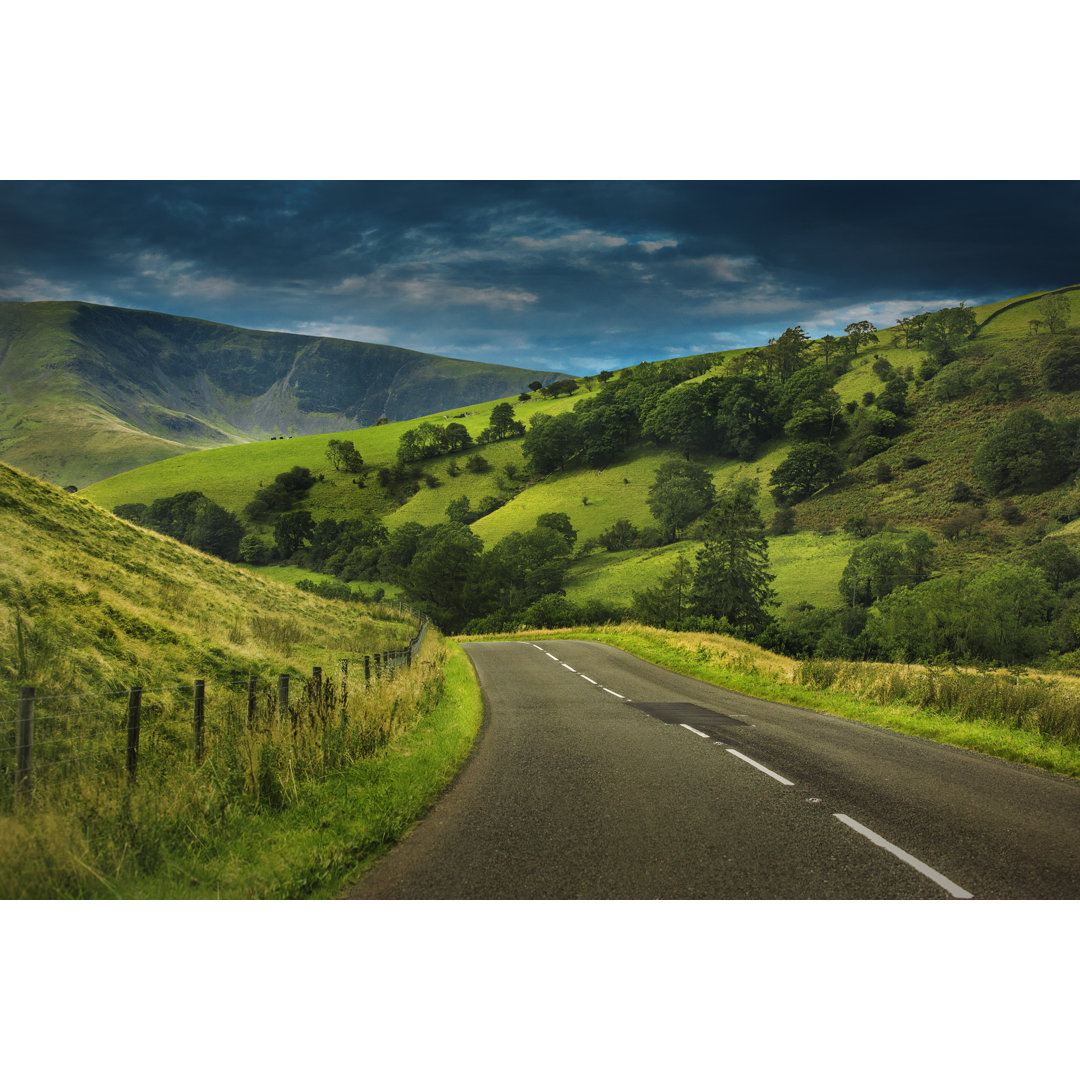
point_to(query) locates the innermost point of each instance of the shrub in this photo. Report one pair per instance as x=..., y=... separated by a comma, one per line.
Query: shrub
x=1022, y=453
x=1061, y=367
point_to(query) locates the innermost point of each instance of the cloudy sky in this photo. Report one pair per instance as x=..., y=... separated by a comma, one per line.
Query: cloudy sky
x=569, y=276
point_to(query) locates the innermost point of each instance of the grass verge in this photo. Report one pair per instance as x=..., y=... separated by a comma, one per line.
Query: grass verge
x=878, y=694
x=201, y=847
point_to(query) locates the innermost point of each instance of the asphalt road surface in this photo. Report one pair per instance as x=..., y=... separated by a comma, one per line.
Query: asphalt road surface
x=600, y=776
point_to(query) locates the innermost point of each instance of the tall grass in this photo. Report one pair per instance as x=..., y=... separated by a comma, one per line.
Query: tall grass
x=88, y=832
x=1025, y=703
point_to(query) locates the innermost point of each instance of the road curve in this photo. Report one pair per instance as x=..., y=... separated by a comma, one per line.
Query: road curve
x=600, y=776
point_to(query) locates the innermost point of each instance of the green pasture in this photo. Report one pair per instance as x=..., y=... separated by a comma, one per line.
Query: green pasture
x=807, y=566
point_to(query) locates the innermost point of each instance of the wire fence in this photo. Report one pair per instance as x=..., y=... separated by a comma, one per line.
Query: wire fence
x=49, y=742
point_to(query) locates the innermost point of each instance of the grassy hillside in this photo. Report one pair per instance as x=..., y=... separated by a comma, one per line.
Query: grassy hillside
x=92, y=604
x=277, y=806
x=943, y=431
x=90, y=391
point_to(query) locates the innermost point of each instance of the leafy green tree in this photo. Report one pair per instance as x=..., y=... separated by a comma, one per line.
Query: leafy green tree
x=788, y=354
x=1057, y=561
x=999, y=381
x=606, y=425
x=1061, y=367
x=732, y=579
x=945, y=330
x=254, y=550
x=291, y=530
x=1021, y=454
x=551, y=442
x=443, y=574
x=477, y=464
x=859, y=334
x=620, y=536
x=501, y=425
x=682, y=417
x=561, y=523
x=426, y=440
x=523, y=567
x=806, y=469
x=343, y=455
x=399, y=551
x=744, y=416
x=1055, y=308
x=881, y=564
x=681, y=492
x=460, y=510
x=456, y=437
x=665, y=603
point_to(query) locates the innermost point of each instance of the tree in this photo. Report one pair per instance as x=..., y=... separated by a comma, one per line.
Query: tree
x=1061, y=367
x=1055, y=308
x=444, y=571
x=560, y=522
x=344, y=456
x=944, y=330
x=620, y=536
x=551, y=441
x=882, y=564
x=806, y=469
x=682, y=417
x=681, y=492
x=1022, y=453
x=665, y=604
x=456, y=437
x=860, y=333
x=522, y=567
x=291, y=530
x=732, y=579
x=502, y=424
x=788, y=354
x=999, y=381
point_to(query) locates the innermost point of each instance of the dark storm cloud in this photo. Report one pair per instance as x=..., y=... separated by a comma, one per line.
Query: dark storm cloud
x=563, y=275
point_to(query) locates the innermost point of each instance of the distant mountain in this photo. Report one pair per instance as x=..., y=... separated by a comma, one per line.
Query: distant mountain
x=88, y=391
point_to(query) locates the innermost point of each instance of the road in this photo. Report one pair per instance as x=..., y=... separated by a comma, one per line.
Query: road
x=600, y=776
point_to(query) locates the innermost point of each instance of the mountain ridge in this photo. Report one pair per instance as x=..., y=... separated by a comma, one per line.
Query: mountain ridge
x=91, y=390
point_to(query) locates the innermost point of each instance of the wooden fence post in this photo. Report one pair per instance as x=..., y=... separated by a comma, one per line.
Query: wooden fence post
x=200, y=720
x=344, y=690
x=316, y=687
x=378, y=666
x=253, y=683
x=367, y=670
x=24, y=743
x=282, y=698
x=134, y=717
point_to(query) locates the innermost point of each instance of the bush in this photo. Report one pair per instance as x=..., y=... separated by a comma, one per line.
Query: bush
x=963, y=493
x=1011, y=514
x=1022, y=453
x=1061, y=367
x=477, y=464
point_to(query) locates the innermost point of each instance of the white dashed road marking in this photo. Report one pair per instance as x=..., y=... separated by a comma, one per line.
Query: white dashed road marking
x=760, y=767
x=939, y=879
x=694, y=730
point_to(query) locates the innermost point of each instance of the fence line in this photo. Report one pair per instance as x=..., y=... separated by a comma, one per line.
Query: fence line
x=37, y=739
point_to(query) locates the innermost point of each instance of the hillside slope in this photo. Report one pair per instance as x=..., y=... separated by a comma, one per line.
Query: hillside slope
x=943, y=430
x=90, y=603
x=90, y=391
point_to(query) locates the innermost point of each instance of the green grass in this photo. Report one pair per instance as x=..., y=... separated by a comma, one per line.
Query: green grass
x=197, y=838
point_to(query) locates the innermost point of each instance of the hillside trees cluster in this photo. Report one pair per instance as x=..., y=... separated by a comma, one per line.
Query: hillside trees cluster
x=191, y=518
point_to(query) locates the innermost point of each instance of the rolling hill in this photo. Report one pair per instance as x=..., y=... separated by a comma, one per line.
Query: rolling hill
x=89, y=391
x=926, y=459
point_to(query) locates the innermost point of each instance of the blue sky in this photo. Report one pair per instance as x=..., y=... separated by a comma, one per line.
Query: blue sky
x=570, y=276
